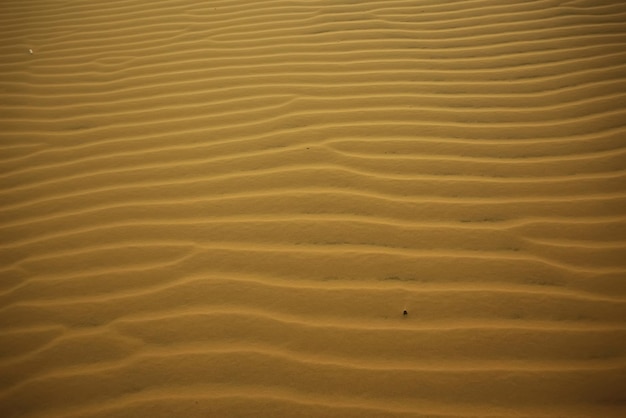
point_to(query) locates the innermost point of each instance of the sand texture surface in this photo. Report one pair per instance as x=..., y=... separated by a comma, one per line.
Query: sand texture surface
x=223, y=208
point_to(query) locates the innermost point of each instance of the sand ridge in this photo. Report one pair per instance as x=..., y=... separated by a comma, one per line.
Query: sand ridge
x=223, y=208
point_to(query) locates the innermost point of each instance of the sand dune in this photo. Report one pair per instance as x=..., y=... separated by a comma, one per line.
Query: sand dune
x=223, y=208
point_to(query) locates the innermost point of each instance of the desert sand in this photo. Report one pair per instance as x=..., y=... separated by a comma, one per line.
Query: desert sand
x=223, y=209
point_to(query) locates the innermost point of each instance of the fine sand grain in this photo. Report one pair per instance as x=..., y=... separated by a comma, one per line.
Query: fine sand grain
x=223, y=208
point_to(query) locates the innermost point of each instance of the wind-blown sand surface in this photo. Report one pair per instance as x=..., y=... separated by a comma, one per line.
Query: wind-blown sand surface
x=222, y=209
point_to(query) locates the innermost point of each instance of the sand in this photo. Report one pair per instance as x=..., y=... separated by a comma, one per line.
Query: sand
x=222, y=209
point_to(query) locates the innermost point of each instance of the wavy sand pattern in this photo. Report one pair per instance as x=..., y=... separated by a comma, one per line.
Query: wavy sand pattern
x=223, y=208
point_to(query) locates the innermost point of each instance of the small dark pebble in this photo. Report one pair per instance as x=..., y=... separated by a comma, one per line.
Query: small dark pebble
x=405, y=313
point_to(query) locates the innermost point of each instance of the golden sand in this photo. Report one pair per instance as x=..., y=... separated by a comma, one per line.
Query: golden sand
x=222, y=209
